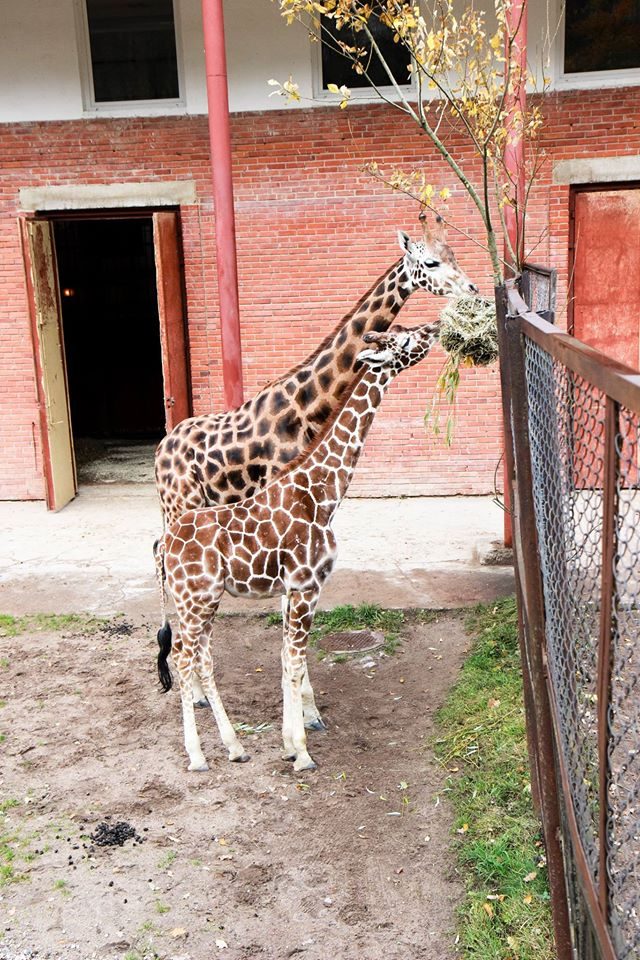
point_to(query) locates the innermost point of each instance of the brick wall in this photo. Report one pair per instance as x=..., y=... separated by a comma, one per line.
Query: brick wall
x=314, y=232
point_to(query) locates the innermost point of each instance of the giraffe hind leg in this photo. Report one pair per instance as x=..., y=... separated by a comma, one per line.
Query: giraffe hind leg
x=198, y=694
x=310, y=712
x=197, y=760
x=206, y=677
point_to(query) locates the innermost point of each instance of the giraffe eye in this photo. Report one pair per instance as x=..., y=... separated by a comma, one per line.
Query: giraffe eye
x=431, y=264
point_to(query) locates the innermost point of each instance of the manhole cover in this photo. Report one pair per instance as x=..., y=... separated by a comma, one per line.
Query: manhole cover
x=352, y=641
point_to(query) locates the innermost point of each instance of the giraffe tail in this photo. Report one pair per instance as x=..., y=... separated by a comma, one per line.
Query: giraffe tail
x=164, y=633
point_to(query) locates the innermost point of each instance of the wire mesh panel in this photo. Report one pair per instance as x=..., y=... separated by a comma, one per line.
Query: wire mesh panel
x=566, y=434
x=623, y=820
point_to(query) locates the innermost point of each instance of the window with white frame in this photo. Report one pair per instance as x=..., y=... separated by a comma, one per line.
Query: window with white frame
x=132, y=51
x=336, y=67
x=601, y=35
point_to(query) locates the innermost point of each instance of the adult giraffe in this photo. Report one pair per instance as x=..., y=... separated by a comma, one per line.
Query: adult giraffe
x=223, y=458
x=277, y=542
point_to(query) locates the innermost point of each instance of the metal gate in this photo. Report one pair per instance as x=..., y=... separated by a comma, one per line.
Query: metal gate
x=572, y=417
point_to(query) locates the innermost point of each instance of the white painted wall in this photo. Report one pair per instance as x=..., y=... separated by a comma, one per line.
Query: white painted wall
x=41, y=58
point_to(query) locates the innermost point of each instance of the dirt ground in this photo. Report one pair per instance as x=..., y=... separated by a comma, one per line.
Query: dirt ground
x=350, y=861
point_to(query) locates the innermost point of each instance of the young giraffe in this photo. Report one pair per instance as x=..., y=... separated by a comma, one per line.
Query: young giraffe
x=279, y=541
x=224, y=458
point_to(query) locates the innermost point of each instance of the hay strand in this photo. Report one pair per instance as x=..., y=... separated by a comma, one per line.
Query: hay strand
x=469, y=335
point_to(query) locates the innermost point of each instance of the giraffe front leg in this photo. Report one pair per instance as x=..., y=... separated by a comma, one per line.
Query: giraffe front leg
x=310, y=712
x=287, y=730
x=294, y=650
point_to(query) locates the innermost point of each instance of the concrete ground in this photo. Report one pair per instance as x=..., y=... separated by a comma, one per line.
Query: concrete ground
x=95, y=555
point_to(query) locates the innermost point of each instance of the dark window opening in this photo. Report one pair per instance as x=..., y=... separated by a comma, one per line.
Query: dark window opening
x=601, y=35
x=111, y=329
x=336, y=68
x=133, y=50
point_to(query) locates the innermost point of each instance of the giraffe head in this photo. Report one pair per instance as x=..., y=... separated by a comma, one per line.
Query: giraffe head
x=430, y=263
x=399, y=348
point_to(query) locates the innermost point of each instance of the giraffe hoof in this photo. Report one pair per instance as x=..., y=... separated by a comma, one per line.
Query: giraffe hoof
x=201, y=768
x=317, y=724
x=306, y=766
x=241, y=759
x=201, y=703
x=289, y=757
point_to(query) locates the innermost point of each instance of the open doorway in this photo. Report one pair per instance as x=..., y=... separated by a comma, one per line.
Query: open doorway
x=109, y=327
x=111, y=331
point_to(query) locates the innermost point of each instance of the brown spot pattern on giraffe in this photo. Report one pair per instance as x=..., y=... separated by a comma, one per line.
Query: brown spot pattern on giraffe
x=313, y=390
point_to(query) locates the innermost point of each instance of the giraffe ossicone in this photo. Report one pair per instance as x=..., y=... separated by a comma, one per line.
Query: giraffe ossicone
x=224, y=458
x=279, y=541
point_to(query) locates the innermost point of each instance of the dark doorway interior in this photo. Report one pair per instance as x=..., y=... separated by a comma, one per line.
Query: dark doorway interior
x=112, y=345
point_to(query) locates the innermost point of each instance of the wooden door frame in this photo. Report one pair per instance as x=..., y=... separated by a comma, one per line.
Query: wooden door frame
x=574, y=190
x=101, y=213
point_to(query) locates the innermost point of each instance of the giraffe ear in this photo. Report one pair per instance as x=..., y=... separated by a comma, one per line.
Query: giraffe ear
x=405, y=241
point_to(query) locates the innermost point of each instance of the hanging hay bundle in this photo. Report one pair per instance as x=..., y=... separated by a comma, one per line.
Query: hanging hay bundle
x=469, y=331
x=469, y=335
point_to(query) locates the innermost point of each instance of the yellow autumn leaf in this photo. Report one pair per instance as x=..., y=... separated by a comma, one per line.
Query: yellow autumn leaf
x=530, y=876
x=488, y=909
x=445, y=193
x=527, y=899
x=333, y=88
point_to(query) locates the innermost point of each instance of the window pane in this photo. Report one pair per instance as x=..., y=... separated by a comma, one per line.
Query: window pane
x=338, y=69
x=601, y=35
x=133, y=50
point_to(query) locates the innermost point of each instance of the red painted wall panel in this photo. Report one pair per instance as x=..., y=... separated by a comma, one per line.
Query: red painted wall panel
x=606, y=272
x=314, y=232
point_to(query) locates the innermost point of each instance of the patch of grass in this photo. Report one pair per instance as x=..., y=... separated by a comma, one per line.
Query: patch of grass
x=62, y=886
x=167, y=860
x=47, y=622
x=162, y=907
x=483, y=744
x=366, y=616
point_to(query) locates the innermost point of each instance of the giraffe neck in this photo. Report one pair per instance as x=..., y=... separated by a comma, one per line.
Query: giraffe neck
x=330, y=366
x=332, y=461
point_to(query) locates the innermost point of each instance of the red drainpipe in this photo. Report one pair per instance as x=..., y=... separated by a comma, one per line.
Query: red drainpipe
x=516, y=16
x=220, y=146
x=516, y=105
